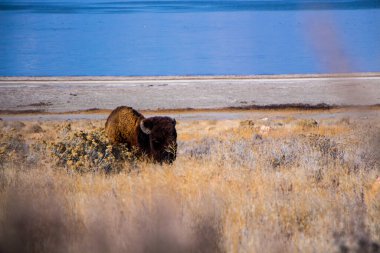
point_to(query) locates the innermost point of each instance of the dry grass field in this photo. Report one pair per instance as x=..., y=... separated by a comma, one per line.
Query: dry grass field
x=287, y=185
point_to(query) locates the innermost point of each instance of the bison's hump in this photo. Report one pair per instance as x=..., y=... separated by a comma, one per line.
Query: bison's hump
x=122, y=124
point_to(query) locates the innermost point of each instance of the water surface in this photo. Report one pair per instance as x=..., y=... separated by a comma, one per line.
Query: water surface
x=141, y=38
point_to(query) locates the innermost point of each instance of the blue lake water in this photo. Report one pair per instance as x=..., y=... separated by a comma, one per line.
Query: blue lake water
x=141, y=38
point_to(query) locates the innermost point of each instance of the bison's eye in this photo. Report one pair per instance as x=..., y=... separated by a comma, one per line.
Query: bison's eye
x=156, y=143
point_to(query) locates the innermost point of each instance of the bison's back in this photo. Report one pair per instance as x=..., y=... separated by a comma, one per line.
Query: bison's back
x=122, y=125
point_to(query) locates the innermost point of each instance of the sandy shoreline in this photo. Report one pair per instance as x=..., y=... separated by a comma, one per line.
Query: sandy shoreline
x=70, y=94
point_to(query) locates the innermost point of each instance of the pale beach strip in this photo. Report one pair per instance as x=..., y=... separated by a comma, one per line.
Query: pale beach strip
x=52, y=95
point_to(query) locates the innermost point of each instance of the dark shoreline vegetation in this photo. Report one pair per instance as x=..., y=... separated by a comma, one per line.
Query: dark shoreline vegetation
x=292, y=106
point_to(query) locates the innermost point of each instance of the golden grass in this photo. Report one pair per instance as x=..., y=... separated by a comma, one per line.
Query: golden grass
x=284, y=187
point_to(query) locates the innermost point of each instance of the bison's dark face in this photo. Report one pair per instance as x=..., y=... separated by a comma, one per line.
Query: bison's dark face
x=162, y=138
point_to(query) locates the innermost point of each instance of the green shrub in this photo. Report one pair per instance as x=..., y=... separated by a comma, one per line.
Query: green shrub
x=91, y=152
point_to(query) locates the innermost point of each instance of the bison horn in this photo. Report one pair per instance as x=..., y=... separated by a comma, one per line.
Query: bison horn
x=143, y=128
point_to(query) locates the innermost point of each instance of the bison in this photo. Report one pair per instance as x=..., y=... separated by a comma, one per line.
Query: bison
x=155, y=136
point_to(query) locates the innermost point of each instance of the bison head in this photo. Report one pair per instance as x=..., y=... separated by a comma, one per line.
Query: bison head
x=162, y=138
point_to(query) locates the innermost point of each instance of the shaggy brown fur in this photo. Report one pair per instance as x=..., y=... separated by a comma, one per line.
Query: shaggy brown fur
x=124, y=126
